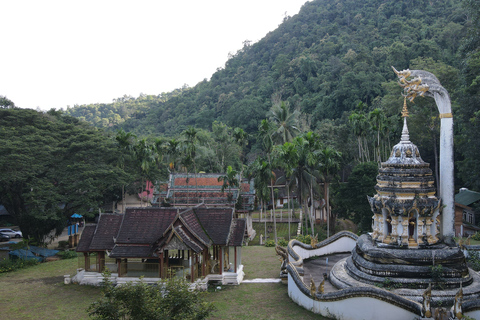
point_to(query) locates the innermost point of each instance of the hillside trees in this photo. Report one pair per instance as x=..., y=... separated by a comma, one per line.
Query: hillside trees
x=52, y=166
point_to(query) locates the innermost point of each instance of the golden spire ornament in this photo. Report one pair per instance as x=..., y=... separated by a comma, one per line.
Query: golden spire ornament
x=404, y=110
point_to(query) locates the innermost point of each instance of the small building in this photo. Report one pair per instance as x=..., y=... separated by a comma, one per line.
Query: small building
x=465, y=222
x=193, y=243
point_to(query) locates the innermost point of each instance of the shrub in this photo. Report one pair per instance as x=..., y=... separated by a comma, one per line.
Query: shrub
x=67, y=254
x=7, y=265
x=476, y=236
x=305, y=239
x=169, y=299
x=270, y=243
x=282, y=242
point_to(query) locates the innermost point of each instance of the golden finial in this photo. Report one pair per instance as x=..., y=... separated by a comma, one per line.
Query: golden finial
x=404, y=110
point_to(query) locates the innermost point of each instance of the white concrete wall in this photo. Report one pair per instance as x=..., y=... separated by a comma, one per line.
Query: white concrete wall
x=343, y=244
x=351, y=308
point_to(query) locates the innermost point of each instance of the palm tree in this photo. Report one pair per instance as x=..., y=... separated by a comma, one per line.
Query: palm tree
x=126, y=142
x=191, y=139
x=260, y=172
x=304, y=174
x=329, y=159
x=286, y=123
x=288, y=157
x=172, y=147
x=146, y=157
x=229, y=180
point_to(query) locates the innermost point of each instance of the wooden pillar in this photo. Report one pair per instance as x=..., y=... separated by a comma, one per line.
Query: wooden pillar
x=204, y=262
x=161, y=272
x=192, y=268
x=101, y=261
x=119, y=267
x=220, y=259
x=235, y=253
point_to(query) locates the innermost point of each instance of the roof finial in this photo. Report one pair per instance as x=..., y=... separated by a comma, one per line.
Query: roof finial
x=404, y=110
x=405, y=135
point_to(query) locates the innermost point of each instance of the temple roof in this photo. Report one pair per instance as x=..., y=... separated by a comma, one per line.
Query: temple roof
x=143, y=232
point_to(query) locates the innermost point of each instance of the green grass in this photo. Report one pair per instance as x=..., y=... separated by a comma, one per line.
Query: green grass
x=38, y=292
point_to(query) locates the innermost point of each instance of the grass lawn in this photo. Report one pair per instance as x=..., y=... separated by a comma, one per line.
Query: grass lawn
x=39, y=293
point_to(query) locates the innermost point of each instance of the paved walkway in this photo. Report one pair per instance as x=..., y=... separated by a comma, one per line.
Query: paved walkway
x=317, y=267
x=263, y=280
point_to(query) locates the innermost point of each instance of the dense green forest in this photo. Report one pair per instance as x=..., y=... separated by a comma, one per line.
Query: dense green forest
x=315, y=100
x=324, y=61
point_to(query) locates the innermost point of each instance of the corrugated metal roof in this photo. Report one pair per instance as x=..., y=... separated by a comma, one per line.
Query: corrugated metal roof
x=467, y=197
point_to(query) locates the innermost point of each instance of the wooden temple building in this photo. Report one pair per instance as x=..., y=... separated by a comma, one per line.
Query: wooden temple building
x=196, y=243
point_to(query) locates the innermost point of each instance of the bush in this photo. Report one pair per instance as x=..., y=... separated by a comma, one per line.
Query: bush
x=169, y=299
x=67, y=254
x=270, y=243
x=282, y=242
x=305, y=239
x=476, y=236
x=7, y=265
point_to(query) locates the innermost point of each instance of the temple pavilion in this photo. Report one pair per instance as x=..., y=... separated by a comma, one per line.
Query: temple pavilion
x=200, y=242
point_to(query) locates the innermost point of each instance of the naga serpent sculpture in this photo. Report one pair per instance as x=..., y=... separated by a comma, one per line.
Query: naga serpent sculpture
x=422, y=83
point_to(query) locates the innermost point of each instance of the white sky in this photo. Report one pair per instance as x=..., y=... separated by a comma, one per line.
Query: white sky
x=56, y=54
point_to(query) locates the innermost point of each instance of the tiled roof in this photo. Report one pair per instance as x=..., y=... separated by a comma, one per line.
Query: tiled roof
x=145, y=225
x=192, y=223
x=198, y=182
x=238, y=234
x=191, y=242
x=216, y=222
x=86, y=238
x=141, y=231
x=107, y=229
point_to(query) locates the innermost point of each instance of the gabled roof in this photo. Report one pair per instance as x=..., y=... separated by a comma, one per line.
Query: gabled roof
x=217, y=223
x=145, y=225
x=236, y=240
x=87, y=236
x=107, y=229
x=141, y=232
x=467, y=197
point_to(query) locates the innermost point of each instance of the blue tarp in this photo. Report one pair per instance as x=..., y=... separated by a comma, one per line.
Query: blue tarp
x=33, y=253
x=76, y=216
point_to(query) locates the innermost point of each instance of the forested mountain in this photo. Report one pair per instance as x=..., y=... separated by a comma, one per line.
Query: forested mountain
x=331, y=62
x=324, y=61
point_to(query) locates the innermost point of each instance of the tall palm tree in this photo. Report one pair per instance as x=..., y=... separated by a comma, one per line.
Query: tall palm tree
x=261, y=173
x=329, y=159
x=173, y=150
x=191, y=139
x=146, y=158
x=304, y=174
x=288, y=157
x=126, y=143
x=286, y=122
x=229, y=180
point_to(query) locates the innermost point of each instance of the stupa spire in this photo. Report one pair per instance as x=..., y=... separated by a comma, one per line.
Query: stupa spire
x=405, y=135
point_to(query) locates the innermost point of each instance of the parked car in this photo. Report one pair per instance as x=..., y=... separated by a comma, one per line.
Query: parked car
x=4, y=237
x=12, y=233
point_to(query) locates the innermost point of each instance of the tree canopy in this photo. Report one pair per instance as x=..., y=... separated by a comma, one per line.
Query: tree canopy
x=52, y=166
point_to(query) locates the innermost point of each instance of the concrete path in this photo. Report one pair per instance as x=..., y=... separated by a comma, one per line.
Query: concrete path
x=262, y=280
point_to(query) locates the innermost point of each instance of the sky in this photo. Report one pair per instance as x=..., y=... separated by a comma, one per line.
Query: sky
x=64, y=53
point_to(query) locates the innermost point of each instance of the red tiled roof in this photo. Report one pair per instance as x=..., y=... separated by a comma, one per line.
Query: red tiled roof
x=201, y=181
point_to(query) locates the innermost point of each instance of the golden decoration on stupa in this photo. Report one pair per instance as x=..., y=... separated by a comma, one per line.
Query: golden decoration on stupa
x=404, y=110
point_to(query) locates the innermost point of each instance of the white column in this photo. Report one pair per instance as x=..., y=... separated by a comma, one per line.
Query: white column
x=447, y=188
